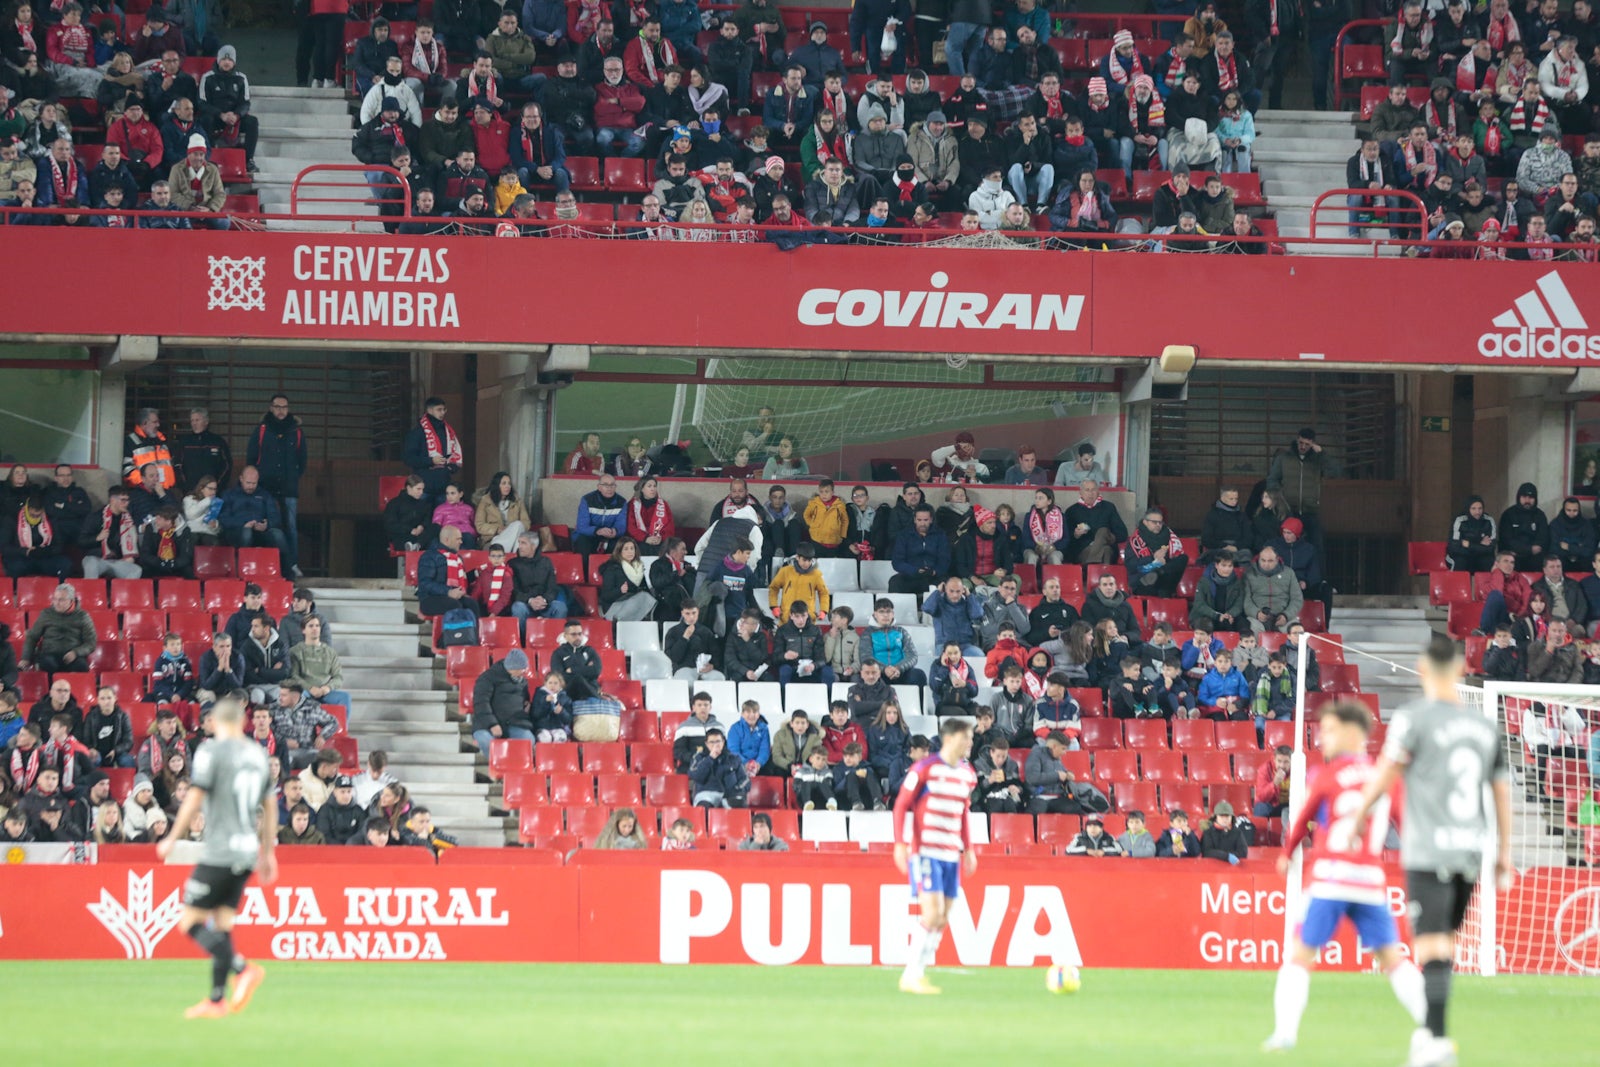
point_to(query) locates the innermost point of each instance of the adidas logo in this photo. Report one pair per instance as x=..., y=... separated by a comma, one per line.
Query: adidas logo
x=1543, y=323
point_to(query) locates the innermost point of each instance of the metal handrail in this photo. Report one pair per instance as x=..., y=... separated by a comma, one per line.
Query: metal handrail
x=1339, y=43
x=1382, y=210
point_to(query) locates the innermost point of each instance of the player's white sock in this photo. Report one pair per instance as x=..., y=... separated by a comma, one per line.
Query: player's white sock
x=1406, y=981
x=930, y=946
x=914, y=960
x=1289, y=1000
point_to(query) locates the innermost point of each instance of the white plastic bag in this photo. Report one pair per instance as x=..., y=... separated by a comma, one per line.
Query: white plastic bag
x=890, y=43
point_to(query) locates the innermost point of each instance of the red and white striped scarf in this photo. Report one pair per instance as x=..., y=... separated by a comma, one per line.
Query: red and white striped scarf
x=729, y=507
x=1519, y=117
x=124, y=535
x=428, y=58
x=450, y=451
x=1155, y=110
x=1501, y=32
x=455, y=576
x=590, y=12
x=837, y=103
x=488, y=87
x=656, y=524
x=1033, y=682
x=1422, y=36
x=669, y=56
x=25, y=765
x=25, y=31
x=65, y=182
x=76, y=44
x=495, y=587
x=1566, y=71
x=1126, y=76
x=60, y=755
x=1175, y=69
x=959, y=673
x=1467, y=74
x=1049, y=528
x=1445, y=123
x=1430, y=156
x=27, y=531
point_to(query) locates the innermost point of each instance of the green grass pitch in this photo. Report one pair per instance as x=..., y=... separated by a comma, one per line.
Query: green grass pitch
x=441, y=1015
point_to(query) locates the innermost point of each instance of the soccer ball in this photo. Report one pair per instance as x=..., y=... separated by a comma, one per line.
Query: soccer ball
x=1061, y=978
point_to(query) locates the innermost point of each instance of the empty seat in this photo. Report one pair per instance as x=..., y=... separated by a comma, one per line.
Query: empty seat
x=651, y=757
x=605, y=757
x=569, y=789
x=666, y=694
x=556, y=758
x=509, y=754
x=618, y=790
x=1145, y=733
x=840, y=574
x=132, y=593
x=662, y=790
x=876, y=826
x=640, y=726
x=633, y=637
x=824, y=826
x=1190, y=734
x=1210, y=767
x=1236, y=736
x=1160, y=765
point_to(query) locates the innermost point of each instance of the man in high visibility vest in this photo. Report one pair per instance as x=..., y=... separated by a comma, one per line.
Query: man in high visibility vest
x=147, y=444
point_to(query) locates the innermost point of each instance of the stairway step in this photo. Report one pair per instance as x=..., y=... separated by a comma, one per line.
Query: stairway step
x=450, y=813
x=435, y=698
x=363, y=613
x=412, y=664
x=368, y=646
x=394, y=686
x=293, y=92
x=408, y=768
x=409, y=745
x=335, y=594
x=382, y=716
x=279, y=110
x=485, y=838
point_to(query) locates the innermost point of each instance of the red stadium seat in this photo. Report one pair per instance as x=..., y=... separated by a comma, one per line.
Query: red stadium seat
x=732, y=823
x=1246, y=193
x=1448, y=587
x=178, y=594
x=1340, y=678
x=585, y=172
x=109, y=657
x=1135, y=796
x=1475, y=649
x=605, y=757
x=1209, y=767
x=1236, y=737
x=1070, y=575
x=31, y=685
x=223, y=595
x=626, y=176
x=257, y=564
x=213, y=561
x=91, y=593
x=585, y=822
x=463, y=663
x=1279, y=733
x=538, y=822
x=585, y=602
x=142, y=624
x=1462, y=619
x=507, y=755
x=556, y=758
x=1093, y=571
x=571, y=789
x=132, y=593
x=1011, y=829
x=83, y=687
x=1185, y=795
x=664, y=789
x=1101, y=733
x=1076, y=764
x=767, y=792
x=1091, y=702
x=144, y=655
x=543, y=633
x=128, y=686
x=1145, y=184
x=1116, y=766
x=650, y=757
x=33, y=593
x=389, y=487
x=1057, y=829
x=1145, y=733
x=568, y=567
x=618, y=790
x=191, y=626
x=1313, y=617
x=1191, y=734
x=499, y=633
x=1425, y=557
x=640, y=726
x=524, y=789
x=671, y=813
x=1159, y=765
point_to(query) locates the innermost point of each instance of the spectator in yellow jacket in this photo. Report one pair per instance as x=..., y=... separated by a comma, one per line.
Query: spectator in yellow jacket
x=800, y=581
x=827, y=520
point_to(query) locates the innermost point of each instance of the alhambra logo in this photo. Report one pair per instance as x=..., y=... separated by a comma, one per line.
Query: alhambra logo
x=1542, y=323
x=138, y=923
x=237, y=283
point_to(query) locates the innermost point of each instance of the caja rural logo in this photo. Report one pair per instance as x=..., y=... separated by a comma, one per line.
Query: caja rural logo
x=1542, y=323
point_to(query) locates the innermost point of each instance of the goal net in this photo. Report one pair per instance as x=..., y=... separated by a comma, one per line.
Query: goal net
x=860, y=401
x=1548, y=922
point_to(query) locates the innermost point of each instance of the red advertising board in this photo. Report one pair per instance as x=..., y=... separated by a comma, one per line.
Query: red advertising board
x=729, y=908
x=486, y=291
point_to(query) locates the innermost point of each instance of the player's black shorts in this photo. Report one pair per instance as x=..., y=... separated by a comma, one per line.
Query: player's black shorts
x=1438, y=902
x=212, y=887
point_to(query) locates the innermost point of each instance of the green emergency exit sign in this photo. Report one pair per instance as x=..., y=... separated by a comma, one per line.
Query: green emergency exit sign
x=1435, y=424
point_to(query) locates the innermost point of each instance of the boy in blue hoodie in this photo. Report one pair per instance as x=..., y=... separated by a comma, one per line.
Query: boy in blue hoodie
x=728, y=579
x=749, y=738
x=1224, y=694
x=173, y=678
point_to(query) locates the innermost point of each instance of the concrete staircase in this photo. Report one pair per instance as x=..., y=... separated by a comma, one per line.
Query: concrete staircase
x=301, y=127
x=1301, y=155
x=1377, y=631
x=402, y=706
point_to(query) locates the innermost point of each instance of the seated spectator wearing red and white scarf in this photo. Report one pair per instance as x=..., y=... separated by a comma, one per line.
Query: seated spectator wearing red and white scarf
x=494, y=585
x=432, y=450
x=649, y=517
x=110, y=540
x=442, y=577
x=34, y=548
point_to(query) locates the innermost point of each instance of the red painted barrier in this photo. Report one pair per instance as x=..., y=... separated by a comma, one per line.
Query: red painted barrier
x=708, y=907
x=372, y=288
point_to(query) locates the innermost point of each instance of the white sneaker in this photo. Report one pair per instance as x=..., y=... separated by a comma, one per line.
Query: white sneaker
x=1277, y=1044
x=810, y=805
x=1430, y=1051
x=833, y=805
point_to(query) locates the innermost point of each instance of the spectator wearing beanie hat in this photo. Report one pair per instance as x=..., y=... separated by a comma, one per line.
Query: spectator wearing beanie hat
x=500, y=702
x=1305, y=559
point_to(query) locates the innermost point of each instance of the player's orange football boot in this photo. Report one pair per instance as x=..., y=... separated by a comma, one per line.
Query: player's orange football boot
x=207, y=1009
x=920, y=986
x=245, y=985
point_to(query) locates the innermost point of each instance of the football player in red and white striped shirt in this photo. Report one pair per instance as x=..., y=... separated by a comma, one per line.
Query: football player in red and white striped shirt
x=932, y=842
x=1347, y=877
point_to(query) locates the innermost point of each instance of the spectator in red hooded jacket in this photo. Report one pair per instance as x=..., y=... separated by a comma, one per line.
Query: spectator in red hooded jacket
x=140, y=141
x=494, y=587
x=491, y=134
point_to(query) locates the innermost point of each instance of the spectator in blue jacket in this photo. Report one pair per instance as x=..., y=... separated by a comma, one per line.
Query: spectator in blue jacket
x=1027, y=13
x=442, y=577
x=717, y=778
x=250, y=518
x=868, y=20
x=1224, y=694
x=955, y=615
x=789, y=106
x=545, y=21
x=921, y=555
x=817, y=56
x=750, y=740
x=680, y=24
x=602, y=518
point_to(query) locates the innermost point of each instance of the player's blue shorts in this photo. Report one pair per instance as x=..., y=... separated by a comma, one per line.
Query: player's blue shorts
x=1372, y=921
x=934, y=876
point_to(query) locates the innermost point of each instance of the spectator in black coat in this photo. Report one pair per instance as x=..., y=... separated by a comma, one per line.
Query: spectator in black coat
x=1224, y=839
x=1225, y=526
x=407, y=519
x=500, y=702
x=1524, y=530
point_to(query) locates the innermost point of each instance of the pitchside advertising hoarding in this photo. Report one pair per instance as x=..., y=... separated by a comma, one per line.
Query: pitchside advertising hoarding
x=769, y=909
x=884, y=299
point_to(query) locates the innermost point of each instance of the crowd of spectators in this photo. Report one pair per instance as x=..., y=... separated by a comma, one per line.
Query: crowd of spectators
x=755, y=128
x=152, y=116
x=1503, y=147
